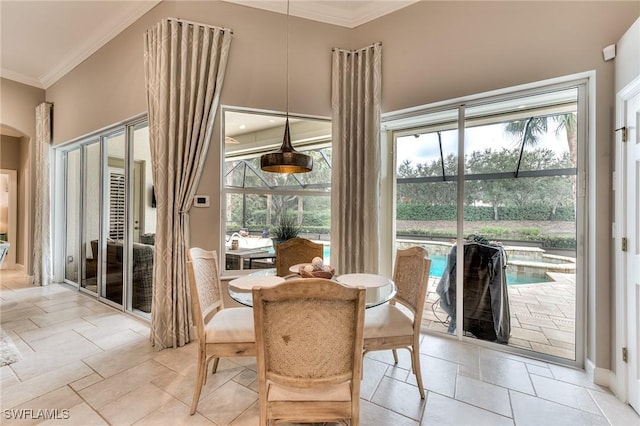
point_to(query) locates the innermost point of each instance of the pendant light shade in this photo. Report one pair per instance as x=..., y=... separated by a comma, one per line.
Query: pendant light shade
x=286, y=159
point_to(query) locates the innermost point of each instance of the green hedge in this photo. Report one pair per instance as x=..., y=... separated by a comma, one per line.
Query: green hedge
x=423, y=212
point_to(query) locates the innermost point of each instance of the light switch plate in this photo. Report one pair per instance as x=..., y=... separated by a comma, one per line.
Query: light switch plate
x=201, y=201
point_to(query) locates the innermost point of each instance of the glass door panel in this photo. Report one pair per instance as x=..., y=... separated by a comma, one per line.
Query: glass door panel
x=90, y=216
x=519, y=222
x=115, y=219
x=426, y=207
x=144, y=221
x=72, y=209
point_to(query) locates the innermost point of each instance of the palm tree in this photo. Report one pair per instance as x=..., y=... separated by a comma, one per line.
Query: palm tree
x=530, y=130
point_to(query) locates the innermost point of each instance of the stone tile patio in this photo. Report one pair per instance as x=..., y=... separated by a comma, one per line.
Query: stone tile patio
x=542, y=315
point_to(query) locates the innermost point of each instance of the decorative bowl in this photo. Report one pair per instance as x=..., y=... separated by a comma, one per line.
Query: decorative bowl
x=317, y=274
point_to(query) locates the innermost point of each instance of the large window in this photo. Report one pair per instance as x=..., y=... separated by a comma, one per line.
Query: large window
x=257, y=202
x=497, y=177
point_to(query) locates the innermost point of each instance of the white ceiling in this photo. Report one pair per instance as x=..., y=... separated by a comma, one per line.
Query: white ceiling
x=43, y=40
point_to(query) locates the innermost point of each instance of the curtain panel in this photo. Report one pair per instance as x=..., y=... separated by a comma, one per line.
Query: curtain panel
x=42, y=260
x=355, y=180
x=185, y=65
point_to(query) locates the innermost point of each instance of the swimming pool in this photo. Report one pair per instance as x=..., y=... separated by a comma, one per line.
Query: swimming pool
x=439, y=263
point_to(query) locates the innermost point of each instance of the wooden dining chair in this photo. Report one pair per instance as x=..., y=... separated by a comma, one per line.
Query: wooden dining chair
x=390, y=327
x=294, y=251
x=221, y=332
x=309, y=351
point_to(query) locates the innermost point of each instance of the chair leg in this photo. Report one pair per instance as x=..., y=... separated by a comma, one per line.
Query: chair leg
x=264, y=421
x=215, y=365
x=202, y=370
x=214, y=369
x=415, y=360
x=395, y=356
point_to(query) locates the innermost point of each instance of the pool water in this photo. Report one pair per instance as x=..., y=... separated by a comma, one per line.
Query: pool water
x=439, y=263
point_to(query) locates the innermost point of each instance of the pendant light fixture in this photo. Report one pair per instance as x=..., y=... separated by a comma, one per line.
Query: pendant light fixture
x=286, y=159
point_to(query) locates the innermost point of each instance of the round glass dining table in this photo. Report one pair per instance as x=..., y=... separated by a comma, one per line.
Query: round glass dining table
x=379, y=289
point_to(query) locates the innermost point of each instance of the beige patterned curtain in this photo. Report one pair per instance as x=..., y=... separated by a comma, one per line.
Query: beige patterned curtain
x=355, y=180
x=42, y=260
x=184, y=69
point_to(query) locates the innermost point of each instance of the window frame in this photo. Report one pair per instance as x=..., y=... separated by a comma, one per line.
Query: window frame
x=393, y=123
x=316, y=189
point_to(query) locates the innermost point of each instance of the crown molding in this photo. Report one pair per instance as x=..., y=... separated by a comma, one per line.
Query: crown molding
x=20, y=78
x=93, y=45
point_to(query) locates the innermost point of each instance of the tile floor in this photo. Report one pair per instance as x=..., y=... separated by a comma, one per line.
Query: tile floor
x=82, y=356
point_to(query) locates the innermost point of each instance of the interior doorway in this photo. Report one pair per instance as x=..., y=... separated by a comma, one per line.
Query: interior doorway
x=9, y=214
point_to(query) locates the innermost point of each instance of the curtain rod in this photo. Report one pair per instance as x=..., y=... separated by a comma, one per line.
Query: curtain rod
x=357, y=50
x=182, y=21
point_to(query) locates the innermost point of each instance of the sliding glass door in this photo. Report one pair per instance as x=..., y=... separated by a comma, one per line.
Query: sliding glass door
x=496, y=205
x=110, y=217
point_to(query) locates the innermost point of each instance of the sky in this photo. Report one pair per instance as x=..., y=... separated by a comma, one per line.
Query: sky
x=424, y=148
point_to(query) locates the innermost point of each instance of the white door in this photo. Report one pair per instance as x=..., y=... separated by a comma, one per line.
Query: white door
x=632, y=210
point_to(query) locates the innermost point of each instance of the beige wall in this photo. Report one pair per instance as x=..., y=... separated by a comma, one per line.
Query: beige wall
x=18, y=105
x=17, y=110
x=9, y=152
x=432, y=51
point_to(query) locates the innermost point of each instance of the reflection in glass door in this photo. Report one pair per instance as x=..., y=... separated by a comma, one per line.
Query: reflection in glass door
x=72, y=209
x=143, y=215
x=115, y=219
x=90, y=216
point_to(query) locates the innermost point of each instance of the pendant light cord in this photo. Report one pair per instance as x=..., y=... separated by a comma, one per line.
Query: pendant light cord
x=287, y=64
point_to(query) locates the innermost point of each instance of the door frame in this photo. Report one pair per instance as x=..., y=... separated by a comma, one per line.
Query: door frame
x=620, y=382
x=585, y=198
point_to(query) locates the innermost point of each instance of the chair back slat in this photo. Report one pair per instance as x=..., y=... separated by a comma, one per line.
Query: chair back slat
x=202, y=267
x=411, y=275
x=308, y=330
x=295, y=251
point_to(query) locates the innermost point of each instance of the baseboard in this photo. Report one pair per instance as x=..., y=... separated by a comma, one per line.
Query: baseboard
x=601, y=376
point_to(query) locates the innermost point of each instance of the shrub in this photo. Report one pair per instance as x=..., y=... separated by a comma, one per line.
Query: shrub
x=492, y=231
x=529, y=231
